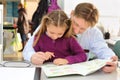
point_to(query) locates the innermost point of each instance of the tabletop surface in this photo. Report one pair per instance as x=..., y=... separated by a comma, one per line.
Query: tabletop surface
x=23, y=73
x=9, y=73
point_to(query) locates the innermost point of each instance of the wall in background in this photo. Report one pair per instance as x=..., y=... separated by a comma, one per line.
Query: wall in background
x=110, y=24
x=105, y=7
x=31, y=7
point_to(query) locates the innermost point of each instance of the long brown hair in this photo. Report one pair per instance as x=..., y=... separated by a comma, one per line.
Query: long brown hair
x=20, y=5
x=88, y=12
x=57, y=18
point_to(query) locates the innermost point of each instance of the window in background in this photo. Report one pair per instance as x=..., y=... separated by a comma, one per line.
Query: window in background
x=12, y=9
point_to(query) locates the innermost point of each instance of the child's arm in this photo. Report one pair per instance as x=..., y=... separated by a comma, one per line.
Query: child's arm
x=79, y=54
x=38, y=58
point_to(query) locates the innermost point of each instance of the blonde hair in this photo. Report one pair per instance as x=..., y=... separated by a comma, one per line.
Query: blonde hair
x=88, y=12
x=57, y=18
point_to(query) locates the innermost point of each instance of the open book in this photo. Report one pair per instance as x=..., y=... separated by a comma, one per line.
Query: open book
x=83, y=68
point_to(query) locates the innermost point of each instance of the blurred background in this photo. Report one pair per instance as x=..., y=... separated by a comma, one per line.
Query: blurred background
x=109, y=20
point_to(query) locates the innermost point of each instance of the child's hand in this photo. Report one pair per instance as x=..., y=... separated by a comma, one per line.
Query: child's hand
x=49, y=55
x=38, y=58
x=60, y=61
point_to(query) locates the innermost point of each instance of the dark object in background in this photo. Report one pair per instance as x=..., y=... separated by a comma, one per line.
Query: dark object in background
x=107, y=35
x=38, y=14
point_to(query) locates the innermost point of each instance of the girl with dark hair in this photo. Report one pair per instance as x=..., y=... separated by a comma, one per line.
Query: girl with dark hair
x=22, y=24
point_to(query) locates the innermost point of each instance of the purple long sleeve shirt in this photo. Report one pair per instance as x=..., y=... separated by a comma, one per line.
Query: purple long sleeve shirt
x=67, y=48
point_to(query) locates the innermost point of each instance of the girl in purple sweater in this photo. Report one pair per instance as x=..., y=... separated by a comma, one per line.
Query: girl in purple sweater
x=54, y=41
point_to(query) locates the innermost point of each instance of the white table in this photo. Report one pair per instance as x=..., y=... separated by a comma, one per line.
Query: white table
x=32, y=73
x=7, y=73
x=19, y=72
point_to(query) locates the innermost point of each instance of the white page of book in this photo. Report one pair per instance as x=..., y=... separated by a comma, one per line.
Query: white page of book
x=83, y=68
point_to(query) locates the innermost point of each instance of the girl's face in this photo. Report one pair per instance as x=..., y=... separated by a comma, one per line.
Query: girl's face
x=79, y=25
x=55, y=32
x=19, y=7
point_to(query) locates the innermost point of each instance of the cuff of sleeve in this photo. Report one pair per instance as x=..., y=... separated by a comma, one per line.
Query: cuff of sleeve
x=70, y=60
x=28, y=56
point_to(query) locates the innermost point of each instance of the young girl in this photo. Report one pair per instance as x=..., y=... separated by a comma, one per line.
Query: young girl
x=55, y=43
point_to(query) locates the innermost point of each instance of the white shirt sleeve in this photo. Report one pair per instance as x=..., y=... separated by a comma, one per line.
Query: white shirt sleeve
x=99, y=46
x=28, y=50
x=93, y=40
